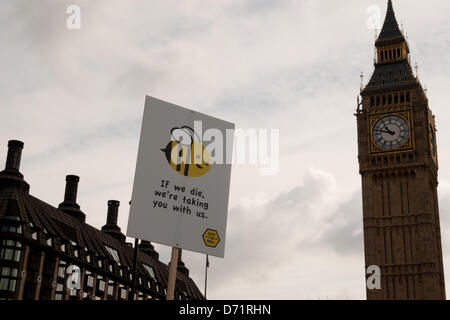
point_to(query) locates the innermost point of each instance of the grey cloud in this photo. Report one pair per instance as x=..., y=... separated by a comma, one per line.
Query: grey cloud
x=344, y=230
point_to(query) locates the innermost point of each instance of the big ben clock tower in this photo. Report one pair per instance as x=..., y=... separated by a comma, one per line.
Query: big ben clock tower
x=399, y=168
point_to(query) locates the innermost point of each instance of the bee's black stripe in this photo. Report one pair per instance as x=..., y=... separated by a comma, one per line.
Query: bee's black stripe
x=188, y=160
x=177, y=145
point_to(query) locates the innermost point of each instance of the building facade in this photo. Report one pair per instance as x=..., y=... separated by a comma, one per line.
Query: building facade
x=49, y=253
x=399, y=169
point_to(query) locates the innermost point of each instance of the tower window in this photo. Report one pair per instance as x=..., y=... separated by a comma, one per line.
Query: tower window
x=372, y=101
x=398, y=53
x=396, y=96
x=10, y=250
x=384, y=99
x=101, y=284
x=62, y=269
x=113, y=252
x=390, y=99
x=110, y=287
x=378, y=101
x=408, y=97
x=150, y=271
x=402, y=98
x=8, y=279
x=90, y=281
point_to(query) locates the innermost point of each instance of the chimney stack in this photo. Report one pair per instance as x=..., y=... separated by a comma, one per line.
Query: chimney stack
x=14, y=155
x=113, y=212
x=11, y=176
x=147, y=248
x=70, y=195
x=70, y=205
x=111, y=226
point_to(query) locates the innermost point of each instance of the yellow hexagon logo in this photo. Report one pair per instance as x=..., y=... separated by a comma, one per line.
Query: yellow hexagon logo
x=211, y=238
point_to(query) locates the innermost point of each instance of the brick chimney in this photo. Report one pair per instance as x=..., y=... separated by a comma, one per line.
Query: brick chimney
x=147, y=248
x=11, y=176
x=14, y=155
x=70, y=205
x=111, y=226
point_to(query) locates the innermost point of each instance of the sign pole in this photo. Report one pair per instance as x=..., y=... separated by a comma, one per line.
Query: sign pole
x=206, y=274
x=133, y=284
x=172, y=274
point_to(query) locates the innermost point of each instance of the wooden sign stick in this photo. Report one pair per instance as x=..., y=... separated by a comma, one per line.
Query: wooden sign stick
x=172, y=274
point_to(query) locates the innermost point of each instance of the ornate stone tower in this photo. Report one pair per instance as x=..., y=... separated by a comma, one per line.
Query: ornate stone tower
x=399, y=168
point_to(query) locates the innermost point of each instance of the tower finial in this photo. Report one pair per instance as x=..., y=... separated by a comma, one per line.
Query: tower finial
x=390, y=30
x=362, y=81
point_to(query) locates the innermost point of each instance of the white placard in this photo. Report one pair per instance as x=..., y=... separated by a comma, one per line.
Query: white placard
x=182, y=180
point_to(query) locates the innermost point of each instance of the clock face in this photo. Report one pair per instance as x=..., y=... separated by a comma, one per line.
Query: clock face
x=390, y=132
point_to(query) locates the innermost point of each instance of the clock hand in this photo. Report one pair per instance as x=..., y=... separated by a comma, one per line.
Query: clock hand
x=390, y=132
x=385, y=131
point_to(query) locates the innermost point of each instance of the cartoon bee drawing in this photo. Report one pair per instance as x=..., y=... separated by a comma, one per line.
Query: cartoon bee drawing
x=186, y=155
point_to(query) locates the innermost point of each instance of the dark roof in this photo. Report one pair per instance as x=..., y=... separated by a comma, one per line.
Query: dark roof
x=390, y=32
x=396, y=74
x=393, y=75
x=38, y=216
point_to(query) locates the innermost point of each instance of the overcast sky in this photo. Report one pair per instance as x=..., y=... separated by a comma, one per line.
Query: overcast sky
x=76, y=98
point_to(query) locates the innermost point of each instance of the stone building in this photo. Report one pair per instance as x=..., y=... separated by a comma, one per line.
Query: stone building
x=399, y=170
x=49, y=253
